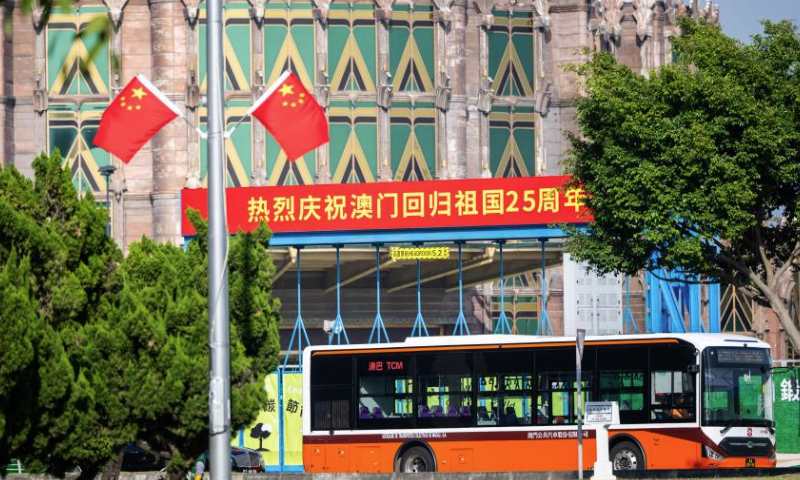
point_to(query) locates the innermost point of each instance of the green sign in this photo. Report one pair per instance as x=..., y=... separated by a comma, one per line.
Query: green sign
x=787, y=412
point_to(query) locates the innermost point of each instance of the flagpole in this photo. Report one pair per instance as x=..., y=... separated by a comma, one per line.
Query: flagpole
x=219, y=329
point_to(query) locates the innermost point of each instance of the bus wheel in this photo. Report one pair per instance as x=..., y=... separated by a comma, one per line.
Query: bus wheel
x=417, y=460
x=626, y=456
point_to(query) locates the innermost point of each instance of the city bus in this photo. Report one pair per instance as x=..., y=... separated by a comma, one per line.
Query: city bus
x=509, y=403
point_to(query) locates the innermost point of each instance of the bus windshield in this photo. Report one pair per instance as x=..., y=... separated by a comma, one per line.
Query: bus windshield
x=736, y=387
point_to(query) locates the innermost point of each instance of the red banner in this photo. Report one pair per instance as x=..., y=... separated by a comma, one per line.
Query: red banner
x=491, y=202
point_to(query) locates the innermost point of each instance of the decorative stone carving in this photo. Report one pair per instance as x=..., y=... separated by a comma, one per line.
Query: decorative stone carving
x=118, y=184
x=710, y=12
x=37, y=17
x=485, y=19
x=41, y=99
x=257, y=10
x=115, y=11
x=385, y=89
x=485, y=95
x=258, y=85
x=443, y=91
x=383, y=10
x=644, y=18
x=443, y=14
x=606, y=19
x=192, y=10
x=542, y=95
x=321, y=10
x=542, y=10
x=192, y=91
x=323, y=89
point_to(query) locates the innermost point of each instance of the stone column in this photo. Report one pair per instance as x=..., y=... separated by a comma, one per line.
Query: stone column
x=322, y=87
x=117, y=184
x=259, y=175
x=485, y=92
x=192, y=96
x=443, y=19
x=168, y=32
x=541, y=9
x=18, y=87
x=383, y=15
x=569, y=31
x=41, y=100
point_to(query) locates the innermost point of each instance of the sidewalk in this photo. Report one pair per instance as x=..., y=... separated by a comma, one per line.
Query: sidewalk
x=788, y=460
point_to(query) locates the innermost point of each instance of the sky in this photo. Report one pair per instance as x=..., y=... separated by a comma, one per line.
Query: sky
x=741, y=18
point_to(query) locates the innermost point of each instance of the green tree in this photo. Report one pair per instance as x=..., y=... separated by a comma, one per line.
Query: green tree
x=99, y=351
x=55, y=266
x=696, y=167
x=154, y=347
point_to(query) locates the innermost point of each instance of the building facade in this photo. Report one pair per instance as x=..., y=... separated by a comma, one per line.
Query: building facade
x=413, y=89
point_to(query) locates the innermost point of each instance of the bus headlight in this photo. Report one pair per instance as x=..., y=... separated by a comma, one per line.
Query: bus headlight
x=709, y=452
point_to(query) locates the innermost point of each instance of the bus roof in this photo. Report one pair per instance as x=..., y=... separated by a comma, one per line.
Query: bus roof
x=700, y=340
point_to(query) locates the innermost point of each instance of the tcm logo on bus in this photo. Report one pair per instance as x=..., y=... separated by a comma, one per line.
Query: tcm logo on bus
x=390, y=365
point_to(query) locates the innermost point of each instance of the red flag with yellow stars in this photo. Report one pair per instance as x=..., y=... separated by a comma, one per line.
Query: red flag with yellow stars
x=292, y=116
x=139, y=112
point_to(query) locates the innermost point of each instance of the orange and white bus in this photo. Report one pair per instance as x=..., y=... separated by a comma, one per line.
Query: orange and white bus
x=506, y=403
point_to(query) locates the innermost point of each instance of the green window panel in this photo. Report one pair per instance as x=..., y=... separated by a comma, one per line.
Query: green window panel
x=77, y=65
x=236, y=45
x=413, y=141
x=238, y=148
x=354, y=142
x=71, y=130
x=412, y=48
x=289, y=41
x=280, y=171
x=511, y=53
x=352, y=47
x=521, y=303
x=512, y=149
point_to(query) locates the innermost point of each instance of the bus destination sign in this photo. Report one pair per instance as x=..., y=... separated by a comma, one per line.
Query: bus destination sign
x=384, y=365
x=742, y=356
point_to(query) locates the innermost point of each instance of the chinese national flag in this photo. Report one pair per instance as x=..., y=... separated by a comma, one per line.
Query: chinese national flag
x=139, y=112
x=292, y=116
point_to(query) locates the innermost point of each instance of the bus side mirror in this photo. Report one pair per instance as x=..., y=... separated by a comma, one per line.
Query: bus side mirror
x=693, y=368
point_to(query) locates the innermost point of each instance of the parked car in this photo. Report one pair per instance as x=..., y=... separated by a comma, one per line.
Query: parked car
x=136, y=459
x=246, y=460
x=242, y=460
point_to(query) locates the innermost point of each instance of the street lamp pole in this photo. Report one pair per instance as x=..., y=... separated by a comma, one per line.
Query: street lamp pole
x=107, y=171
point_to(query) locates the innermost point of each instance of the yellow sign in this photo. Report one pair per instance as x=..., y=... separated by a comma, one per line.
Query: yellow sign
x=264, y=435
x=420, y=253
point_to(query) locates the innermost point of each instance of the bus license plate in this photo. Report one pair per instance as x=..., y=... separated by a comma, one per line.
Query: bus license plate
x=750, y=462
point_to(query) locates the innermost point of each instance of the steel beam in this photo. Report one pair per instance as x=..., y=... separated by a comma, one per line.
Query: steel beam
x=355, y=275
x=286, y=265
x=485, y=258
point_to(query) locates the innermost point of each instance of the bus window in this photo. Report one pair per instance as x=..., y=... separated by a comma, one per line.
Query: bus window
x=622, y=380
x=672, y=396
x=556, y=386
x=331, y=392
x=505, y=388
x=445, y=391
x=385, y=392
x=672, y=386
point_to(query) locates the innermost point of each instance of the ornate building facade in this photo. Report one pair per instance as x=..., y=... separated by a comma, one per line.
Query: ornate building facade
x=414, y=90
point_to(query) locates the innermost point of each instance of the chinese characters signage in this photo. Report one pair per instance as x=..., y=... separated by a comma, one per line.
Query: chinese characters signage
x=397, y=205
x=789, y=392
x=419, y=253
x=382, y=365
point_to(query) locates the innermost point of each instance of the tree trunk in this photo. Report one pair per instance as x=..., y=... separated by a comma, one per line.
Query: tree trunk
x=787, y=322
x=113, y=467
x=781, y=310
